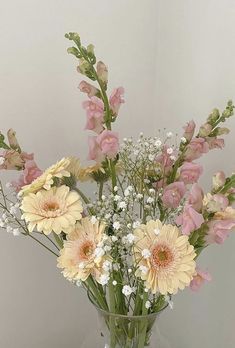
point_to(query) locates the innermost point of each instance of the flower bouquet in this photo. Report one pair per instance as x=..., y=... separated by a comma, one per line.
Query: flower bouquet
x=136, y=243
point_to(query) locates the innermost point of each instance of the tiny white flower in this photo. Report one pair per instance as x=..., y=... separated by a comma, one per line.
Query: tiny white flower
x=130, y=238
x=116, y=267
x=129, y=270
x=117, y=198
x=127, y=290
x=146, y=290
x=2, y=223
x=173, y=158
x=147, y=304
x=146, y=181
x=13, y=210
x=104, y=279
x=9, y=229
x=170, y=151
x=169, y=135
x=139, y=196
x=158, y=143
x=129, y=225
x=107, y=265
x=146, y=144
x=2, y=160
x=114, y=282
x=16, y=232
x=183, y=140
x=107, y=248
x=103, y=197
x=126, y=192
x=99, y=252
x=115, y=189
x=143, y=269
x=136, y=224
x=156, y=231
x=116, y=225
x=152, y=191
x=150, y=200
x=151, y=157
x=93, y=219
x=78, y=283
x=122, y=205
x=146, y=253
x=114, y=239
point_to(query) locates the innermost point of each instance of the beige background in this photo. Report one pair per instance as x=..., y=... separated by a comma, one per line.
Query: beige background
x=176, y=61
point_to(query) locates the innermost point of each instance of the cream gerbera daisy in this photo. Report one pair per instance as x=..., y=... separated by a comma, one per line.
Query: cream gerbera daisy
x=83, y=173
x=45, y=180
x=79, y=257
x=55, y=210
x=165, y=258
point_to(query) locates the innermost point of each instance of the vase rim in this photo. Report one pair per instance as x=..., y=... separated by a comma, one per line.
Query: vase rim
x=133, y=317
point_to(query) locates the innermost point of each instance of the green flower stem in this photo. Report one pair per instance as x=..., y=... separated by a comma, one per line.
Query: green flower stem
x=143, y=323
x=85, y=199
x=113, y=310
x=46, y=247
x=99, y=297
x=58, y=240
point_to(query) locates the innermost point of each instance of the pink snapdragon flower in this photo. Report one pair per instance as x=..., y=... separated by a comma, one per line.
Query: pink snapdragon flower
x=218, y=180
x=196, y=148
x=165, y=159
x=189, y=130
x=14, y=160
x=195, y=197
x=199, y=279
x=173, y=194
x=215, y=143
x=189, y=220
x=105, y=144
x=215, y=203
x=87, y=88
x=95, y=114
x=219, y=230
x=102, y=72
x=30, y=173
x=190, y=172
x=116, y=100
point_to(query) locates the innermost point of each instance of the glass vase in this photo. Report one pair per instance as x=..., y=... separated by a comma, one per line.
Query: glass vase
x=123, y=331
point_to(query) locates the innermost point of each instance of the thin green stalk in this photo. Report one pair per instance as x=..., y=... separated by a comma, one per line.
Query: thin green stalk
x=96, y=293
x=113, y=310
x=46, y=247
x=143, y=323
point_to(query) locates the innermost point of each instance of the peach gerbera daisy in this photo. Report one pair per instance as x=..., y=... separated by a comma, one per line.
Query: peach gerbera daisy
x=165, y=258
x=79, y=257
x=55, y=210
x=45, y=180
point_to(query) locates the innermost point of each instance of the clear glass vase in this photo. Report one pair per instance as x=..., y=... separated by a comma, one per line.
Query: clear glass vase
x=123, y=331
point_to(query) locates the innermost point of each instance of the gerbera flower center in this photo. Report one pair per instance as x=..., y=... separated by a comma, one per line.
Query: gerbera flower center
x=162, y=256
x=86, y=250
x=51, y=206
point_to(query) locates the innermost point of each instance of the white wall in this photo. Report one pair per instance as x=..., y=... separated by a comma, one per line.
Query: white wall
x=176, y=61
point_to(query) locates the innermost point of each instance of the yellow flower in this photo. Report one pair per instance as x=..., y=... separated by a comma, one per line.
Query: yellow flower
x=165, y=258
x=79, y=258
x=55, y=210
x=83, y=173
x=45, y=180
